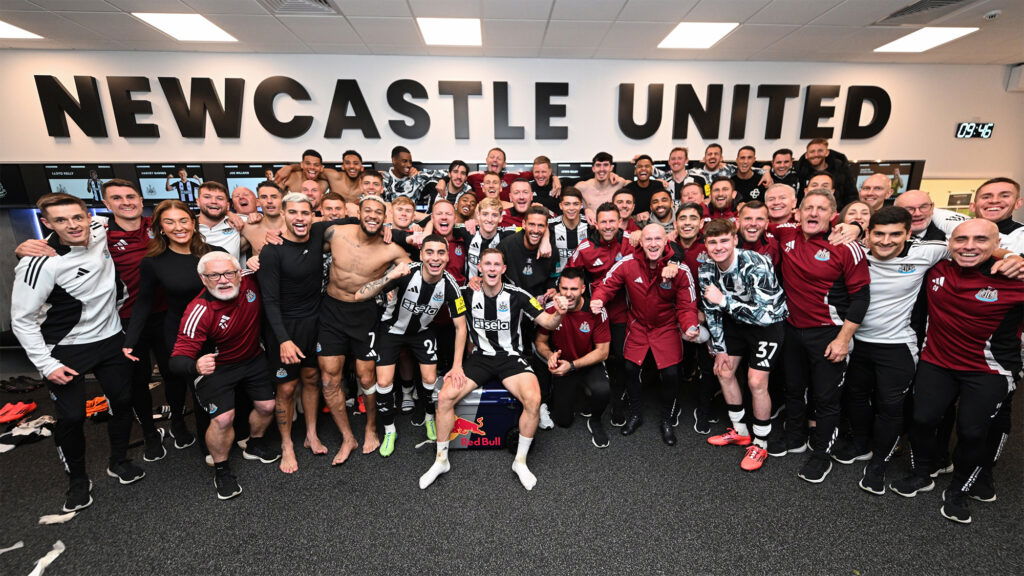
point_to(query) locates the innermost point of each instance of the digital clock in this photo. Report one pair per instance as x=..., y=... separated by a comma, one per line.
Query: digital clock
x=975, y=129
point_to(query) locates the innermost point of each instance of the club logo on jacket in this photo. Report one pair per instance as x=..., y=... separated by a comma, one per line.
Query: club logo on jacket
x=906, y=269
x=823, y=255
x=250, y=296
x=585, y=327
x=987, y=294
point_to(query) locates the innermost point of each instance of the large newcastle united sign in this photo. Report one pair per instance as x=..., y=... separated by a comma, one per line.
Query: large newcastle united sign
x=641, y=109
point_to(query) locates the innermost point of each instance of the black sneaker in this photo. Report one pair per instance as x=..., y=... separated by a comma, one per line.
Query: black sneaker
x=945, y=469
x=227, y=485
x=909, y=486
x=782, y=446
x=954, y=506
x=815, y=469
x=701, y=425
x=154, y=447
x=848, y=453
x=668, y=433
x=418, y=416
x=125, y=472
x=598, y=436
x=79, y=495
x=631, y=425
x=618, y=418
x=182, y=437
x=983, y=489
x=257, y=449
x=873, y=480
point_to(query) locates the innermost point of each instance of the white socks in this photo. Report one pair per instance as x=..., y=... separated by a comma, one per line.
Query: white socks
x=440, y=466
x=526, y=478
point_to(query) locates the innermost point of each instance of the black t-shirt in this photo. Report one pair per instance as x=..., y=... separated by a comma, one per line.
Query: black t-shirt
x=290, y=278
x=523, y=268
x=542, y=195
x=642, y=196
x=748, y=189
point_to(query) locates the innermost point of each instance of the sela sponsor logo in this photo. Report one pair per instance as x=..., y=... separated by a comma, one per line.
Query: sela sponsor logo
x=419, y=309
x=223, y=323
x=906, y=269
x=790, y=245
x=492, y=325
x=585, y=327
x=987, y=294
x=823, y=255
x=938, y=283
x=250, y=296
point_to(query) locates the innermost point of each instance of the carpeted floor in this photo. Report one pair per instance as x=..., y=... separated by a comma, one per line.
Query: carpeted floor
x=637, y=507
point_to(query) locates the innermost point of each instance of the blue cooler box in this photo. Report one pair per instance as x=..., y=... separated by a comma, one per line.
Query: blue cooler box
x=487, y=417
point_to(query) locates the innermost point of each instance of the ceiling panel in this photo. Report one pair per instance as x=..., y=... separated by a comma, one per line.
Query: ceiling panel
x=587, y=9
x=397, y=50
x=519, y=10
x=620, y=52
x=324, y=29
x=793, y=11
x=338, y=48
x=255, y=30
x=730, y=11
x=49, y=26
x=374, y=7
x=151, y=5
x=76, y=5
x=656, y=10
x=566, y=52
x=119, y=25
x=579, y=34
x=388, y=31
x=512, y=51
x=754, y=37
x=644, y=35
x=513, y=32
x=455, y=50
x=226, y=6
x=860, y=12
x=15, y=5
x=445, y=8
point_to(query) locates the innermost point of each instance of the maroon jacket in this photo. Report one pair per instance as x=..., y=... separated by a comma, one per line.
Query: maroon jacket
x=127, y=248
x=659, y=310
x=597, y=258
x=231, y=327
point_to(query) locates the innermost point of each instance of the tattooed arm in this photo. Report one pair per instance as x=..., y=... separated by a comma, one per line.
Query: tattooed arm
x=374, y=287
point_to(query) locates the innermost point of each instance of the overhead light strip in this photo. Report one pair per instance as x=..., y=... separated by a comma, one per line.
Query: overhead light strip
x=186, y=27
x=13, y=32
x=925, y=39
x=450, y=31
x=697, y=35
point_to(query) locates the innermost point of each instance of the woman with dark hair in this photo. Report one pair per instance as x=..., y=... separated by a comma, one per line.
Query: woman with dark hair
x=168, y=274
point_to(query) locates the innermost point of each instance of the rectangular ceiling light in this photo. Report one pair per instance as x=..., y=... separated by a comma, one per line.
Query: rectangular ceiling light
x=925, y=39
x=697, y=35
x=11, y=31
x=450, y=31
x=185, y=27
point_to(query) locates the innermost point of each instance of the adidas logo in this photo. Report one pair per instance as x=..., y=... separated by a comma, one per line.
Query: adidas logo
x=121, y=245
x=81, y=272
x=478, y=306
x=598, y=262
x=937, y=283
x=639, y=280
x=223, y=324
x=790, y=245
x=764, y=364
x=414, y=290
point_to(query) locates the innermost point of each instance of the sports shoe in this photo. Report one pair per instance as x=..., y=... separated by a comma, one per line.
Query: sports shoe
x=754, y=458
x=431, y=429
x=361, y=404
x=909, y=486
x=954, y=506
x=731, y=436
x=873, y=480
x=407, y=403
x=79, y=495
x=545, y=418
x=182, y=437
x=618, y=417
x=387, y=445
x=674, y=417
x=848, y=453
x=154, y=447
x=227, y=485
x=668, y=433
x=597, y=433
x=208, y=460
x=257, y=449
x=125, y=472
x=243, y=443
x=983, y=489
x=947, y=469
x=13, y=412
x=700, y=423
x=781, y=446
x=631, y=425
x=815, y=469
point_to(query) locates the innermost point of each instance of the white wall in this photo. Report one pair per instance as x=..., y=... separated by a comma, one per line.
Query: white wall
x=927, y=101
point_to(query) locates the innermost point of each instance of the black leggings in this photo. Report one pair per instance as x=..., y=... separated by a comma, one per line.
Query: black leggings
x=153, y=345
x=669, y=381
x=108, y=363
x=808, y=370
x=616, y=365
x=877, y=381
x=594, y=382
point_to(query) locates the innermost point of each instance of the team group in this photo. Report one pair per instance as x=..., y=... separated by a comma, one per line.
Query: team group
x=410, y=289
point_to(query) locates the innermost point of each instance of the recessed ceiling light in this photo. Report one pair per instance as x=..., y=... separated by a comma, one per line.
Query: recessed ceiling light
x=450, y=31
x=12, y=31
x=186, y=27
x=925, y=39
x=697, y=35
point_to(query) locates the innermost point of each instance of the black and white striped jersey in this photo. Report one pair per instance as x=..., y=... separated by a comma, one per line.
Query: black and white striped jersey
x=566, y=240
x=71, y=298
x=895, y=284
x=416, y=302
x=186, y=189
x=477, y=244
x=494, y=322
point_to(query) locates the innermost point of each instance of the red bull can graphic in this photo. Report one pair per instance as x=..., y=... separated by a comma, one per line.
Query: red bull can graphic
x=484, y=419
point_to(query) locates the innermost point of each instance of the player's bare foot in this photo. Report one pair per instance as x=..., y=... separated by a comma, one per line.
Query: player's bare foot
x=347, y=446
x=370, y=442
x=288, y=463
x=315, y=446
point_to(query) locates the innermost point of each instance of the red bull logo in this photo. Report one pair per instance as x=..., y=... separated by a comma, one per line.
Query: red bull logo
x=465, y=427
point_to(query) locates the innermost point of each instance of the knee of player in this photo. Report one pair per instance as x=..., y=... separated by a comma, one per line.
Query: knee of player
x=757, y=380
x=264, y=407
x=223, y=421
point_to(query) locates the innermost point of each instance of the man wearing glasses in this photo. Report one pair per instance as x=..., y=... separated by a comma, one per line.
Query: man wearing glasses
x=219, y=343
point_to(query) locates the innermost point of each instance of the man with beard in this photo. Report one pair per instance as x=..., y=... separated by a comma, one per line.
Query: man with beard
x=545, y=191
x=746, y=180
x=214, y=221
x=602, y=187
x=644, y=187
x=921, y=209
x=225, y=318
x=752, y=222
x=457, y=184
x=722, y=200
x=270, y=204
x=289, y=178
x=782, y=171
x=521, y=196
x=660, y=310
x=818, y=158
x=421, y=290
x=662, y=210
x=493, y=312
x=624, y=203
x=347, y=329
x=288, y=275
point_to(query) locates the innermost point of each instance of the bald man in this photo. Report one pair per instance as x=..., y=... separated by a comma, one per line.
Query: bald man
x=921, y=209
x=971, y=352
x=875, y=191
x=313, y=190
